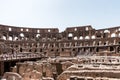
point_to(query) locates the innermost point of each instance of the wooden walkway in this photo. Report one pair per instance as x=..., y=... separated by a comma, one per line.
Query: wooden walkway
x=11, y=57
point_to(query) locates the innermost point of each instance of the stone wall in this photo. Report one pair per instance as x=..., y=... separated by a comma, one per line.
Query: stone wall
x=80, y=40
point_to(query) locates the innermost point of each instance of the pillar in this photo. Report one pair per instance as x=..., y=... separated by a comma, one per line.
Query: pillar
x=1, y=68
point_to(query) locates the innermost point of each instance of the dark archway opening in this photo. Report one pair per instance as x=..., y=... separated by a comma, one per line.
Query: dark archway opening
x=111, y=49
x=97, y=49
x=21, y=49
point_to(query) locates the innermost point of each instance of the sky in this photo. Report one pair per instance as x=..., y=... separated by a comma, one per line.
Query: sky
x=60, y=13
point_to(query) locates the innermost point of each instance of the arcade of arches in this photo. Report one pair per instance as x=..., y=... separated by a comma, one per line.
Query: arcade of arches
x=24, y=44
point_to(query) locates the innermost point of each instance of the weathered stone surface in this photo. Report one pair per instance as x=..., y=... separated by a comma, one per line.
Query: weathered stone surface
x=61, y=52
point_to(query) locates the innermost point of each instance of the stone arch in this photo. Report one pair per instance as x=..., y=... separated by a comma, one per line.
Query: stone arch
x=105, y=43
x=97, y=49
x=22, y=35
x=4, y=37
x=113, y=35
x=15, y=38
x=70, y=35
x=87, y=28
x=49, y=30
x=93, y=37
x=75, y=38
x=106, y=34
x=75, y=29
x=81, y=37
x=38, y=31
x=87, y=37
x=21, y=50
x=21, y=29
x=12, y=76
x=111, y=48
x=106, y=31
x=10, y=29
x=27, y=30
x=26, y=36
x=38, y=35
x=10, y=38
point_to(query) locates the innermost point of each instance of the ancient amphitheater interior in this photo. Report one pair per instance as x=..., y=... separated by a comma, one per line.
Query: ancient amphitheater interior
x=77, y=53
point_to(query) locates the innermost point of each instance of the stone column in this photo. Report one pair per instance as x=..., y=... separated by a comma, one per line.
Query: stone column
x=1, y=68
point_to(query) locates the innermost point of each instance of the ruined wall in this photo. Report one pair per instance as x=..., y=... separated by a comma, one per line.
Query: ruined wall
x=67, y=68
x=80, y=40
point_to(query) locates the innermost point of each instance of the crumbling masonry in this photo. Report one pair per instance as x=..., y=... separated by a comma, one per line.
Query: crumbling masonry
x=49, y=46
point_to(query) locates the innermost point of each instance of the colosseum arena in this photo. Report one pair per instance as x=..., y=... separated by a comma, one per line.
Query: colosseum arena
x=77, y=53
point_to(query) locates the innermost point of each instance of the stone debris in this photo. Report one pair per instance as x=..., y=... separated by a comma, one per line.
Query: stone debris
x=77, y=53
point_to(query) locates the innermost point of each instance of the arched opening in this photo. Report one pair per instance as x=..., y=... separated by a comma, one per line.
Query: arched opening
x=21, y=29
x=21, y=49
x=106, y=31
x=111, y=49
x=4, y=37
x=70, y=35
x=86, y=28
x=113, y=35
x=52, y=49
x=10, y=29
x=30, y=50
x=27, y=30
x=73, y=50
x=75, y=29
x=38, y=31
x=105, y=43
x=81, y=38
x=16, y=38
x=91, y=49
x=75, y=38
x=98, y=44
x=38, y=35
x=10, y=38
x=118, y=42
x=62, y=49
x=49, y=30
x=93, y=37
x=97, y=49
x=21, y=35
x=87, y=37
